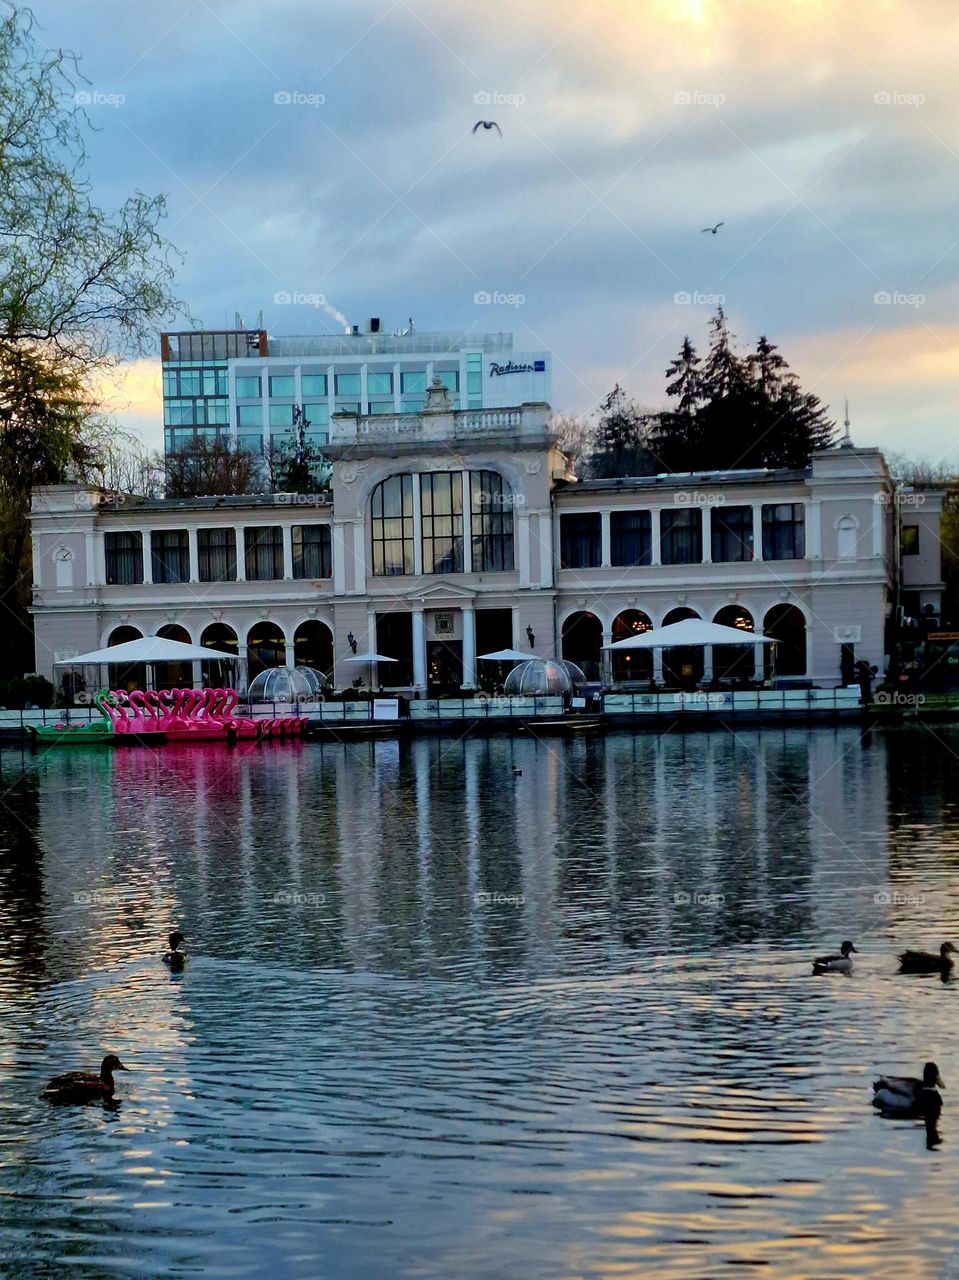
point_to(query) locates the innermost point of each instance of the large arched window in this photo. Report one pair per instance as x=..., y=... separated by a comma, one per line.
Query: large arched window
x=682, y=667
x=785, y=623
x=126, y=677
x=441, y=504
x=174, y=675
x=583, y=642
x=219, y=671
x=631, y=664
x=392, y=531
x=491, y=522
x=313, y=646
x=730, y=661
x=265, y=647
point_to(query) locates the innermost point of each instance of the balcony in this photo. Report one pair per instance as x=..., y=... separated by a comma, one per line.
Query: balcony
x=524, y=423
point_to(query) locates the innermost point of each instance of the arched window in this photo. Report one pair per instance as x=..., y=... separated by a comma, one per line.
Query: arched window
x=583, y=642
x=265, y=647
x=730, y=661
x=218, y=672
x=174, y=675
x=631, y=664
x=63, y=560
x=126, y=677
x=785, y=623
x=391, y=512
x=491, y=522
x=847, y=536
x=441, y=507
x=682, y=667
x=313, y=646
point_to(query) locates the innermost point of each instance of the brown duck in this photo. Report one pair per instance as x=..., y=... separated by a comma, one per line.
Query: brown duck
x=83, y=1086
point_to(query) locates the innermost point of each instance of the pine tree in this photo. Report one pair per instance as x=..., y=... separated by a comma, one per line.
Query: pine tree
x=676, y=439
x=789, y=423
x=727, y=435
x=621, y=447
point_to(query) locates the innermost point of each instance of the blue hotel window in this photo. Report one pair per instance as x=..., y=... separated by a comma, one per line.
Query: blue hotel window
x=249, y=415
x=379, y=384
x=317, y=414
x=314, y=384
x=347, y=384
x=248, y=388
x=169, y=382
x=413, y=382
x=218, y=412
x=283, y=385
x=190, y=382
x=281, y=415
x=450, y=379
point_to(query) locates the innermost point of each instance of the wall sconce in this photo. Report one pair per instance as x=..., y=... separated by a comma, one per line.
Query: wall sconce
x=530, y=637
x=351, y=641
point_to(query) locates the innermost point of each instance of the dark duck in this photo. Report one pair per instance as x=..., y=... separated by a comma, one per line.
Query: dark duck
x=84, y=1086
x=928, y=961
x=175, y=958
x=908, y=1097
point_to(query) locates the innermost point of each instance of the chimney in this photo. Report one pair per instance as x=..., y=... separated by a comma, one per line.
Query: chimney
x=374, y=324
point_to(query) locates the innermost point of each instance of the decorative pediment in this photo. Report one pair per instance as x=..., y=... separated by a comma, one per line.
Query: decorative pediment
x=442, y=591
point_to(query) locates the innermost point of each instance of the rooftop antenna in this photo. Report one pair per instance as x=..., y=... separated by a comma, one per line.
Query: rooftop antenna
x=846, y=441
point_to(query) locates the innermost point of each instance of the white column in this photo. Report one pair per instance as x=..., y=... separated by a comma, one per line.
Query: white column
x=469, y=647
x=878, y=510
x=546, y=548
x=99, y=559
x=656, y=558
x=658, y=666
x=522, y=542
x=607, y=659
x=91, y=557
x=707, y=663
x=288, y=550
x=194, y=554
x=339, y=557
x=707, y=557
x=757, y=530
x=814, y=529
x=147, y=555
x=419, y=649
x=359, y=555
x=240, y=553
x=604, y=539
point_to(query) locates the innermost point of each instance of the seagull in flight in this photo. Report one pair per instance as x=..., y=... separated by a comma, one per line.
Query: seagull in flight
x=488, y=124
x=715, y=228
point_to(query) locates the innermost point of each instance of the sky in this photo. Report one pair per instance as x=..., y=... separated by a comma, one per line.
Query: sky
x=326, y=150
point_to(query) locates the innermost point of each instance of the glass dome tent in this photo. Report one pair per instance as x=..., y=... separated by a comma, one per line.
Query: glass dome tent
x=286, y=684
x=539, y=677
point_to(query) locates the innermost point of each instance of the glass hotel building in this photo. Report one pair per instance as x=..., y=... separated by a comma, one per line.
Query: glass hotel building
x=245, y=385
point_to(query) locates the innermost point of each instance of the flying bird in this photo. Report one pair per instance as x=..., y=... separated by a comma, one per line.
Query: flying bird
x=488, y=124
x=715, y=228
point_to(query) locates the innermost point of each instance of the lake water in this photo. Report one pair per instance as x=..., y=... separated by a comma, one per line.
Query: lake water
x=443, y=1020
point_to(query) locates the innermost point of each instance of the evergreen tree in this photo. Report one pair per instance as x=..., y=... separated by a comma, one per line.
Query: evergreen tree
x=622, y=439
x=788, y=423
x=677, y=437
x=727, y=436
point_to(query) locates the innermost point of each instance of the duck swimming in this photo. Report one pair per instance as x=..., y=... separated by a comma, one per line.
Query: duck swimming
x=835, y=964
x=908, y=1097
x=83, y=1086
x=927, y=961
x=175, y=957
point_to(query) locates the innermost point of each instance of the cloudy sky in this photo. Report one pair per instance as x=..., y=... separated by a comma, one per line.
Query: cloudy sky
x=325, y=148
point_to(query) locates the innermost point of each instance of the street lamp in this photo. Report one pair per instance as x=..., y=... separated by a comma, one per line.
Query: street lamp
x=351, y=641
x=530, y=637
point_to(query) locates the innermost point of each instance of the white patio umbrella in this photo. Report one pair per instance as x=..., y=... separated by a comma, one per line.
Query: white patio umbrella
x=691, y=633
x=506, y=655
x=371, y=659
x=147, y=650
